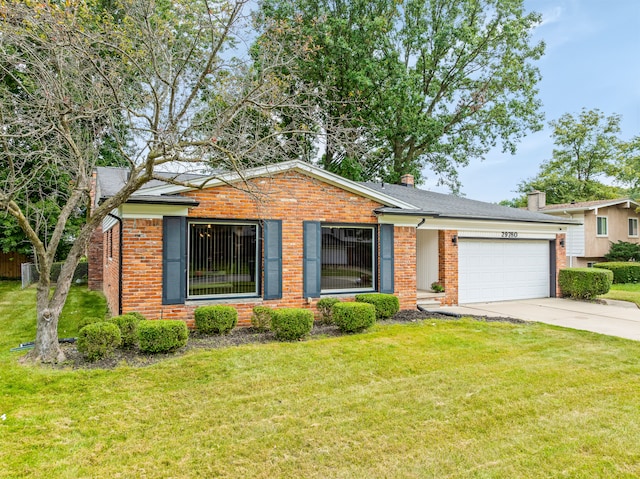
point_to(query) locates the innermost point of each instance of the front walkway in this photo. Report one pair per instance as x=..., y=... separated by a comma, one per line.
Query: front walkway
x=611, y=319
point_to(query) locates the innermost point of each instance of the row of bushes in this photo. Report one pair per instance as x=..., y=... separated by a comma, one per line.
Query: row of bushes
x=623, y=272
x=100, y=339
x=289, y=324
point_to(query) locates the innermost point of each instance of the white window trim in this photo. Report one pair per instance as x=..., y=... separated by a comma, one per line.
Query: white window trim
x=606, y=234
x=629, y=229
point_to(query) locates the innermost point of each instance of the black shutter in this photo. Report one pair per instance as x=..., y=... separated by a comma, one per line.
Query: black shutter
x=386, y=259
x=174, y=259
x=272, y=259
x=312, y=258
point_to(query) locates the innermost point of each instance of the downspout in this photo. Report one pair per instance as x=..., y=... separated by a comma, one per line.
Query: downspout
x=120, y=244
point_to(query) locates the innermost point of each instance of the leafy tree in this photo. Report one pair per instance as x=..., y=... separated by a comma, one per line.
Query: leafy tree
x=418, y=83
x=587, y=153
x=155, y=82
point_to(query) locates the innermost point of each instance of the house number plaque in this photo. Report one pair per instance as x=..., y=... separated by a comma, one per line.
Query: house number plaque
x=509, y=234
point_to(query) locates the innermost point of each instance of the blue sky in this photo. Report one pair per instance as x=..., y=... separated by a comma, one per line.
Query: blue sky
x=592, y=60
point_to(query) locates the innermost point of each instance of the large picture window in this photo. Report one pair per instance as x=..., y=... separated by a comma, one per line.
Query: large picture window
x=347, y=259
x=222, y=259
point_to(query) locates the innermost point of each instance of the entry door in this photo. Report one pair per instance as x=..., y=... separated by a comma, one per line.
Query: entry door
x=502, y=270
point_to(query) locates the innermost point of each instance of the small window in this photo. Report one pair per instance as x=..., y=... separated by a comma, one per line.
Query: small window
x=110, y=244
x=601, y=226
x=633, y=227
x=590, y=264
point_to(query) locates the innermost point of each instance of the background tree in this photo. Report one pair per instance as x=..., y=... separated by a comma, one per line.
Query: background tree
x=585, y=162
x=419, y=83
x=160, y=83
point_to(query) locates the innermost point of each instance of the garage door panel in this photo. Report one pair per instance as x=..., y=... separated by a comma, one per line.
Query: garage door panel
x=495, y=270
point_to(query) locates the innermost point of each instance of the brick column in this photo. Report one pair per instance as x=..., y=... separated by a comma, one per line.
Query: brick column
x=561, y=260
x=448, y=266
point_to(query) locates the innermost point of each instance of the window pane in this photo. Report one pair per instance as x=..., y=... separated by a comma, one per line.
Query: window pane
x=222, y=259
x=347, y=258
x=601, y=222
x=633, y=227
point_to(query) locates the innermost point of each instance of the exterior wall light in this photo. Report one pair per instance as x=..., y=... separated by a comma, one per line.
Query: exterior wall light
x=454, y=239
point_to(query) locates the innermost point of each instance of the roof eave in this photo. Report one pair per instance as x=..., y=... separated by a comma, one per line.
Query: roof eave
x=428, y=214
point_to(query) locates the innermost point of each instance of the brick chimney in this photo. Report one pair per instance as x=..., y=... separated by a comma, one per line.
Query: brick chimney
x=407, y=180
x=536, y=200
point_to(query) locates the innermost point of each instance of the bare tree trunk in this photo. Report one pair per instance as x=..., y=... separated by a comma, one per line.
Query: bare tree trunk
x=49, y=305
x=46, y=348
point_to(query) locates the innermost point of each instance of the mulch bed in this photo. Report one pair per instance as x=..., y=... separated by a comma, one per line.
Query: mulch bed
x=236, y=337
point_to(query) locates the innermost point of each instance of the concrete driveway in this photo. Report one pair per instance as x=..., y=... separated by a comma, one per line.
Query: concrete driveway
x=615, y=319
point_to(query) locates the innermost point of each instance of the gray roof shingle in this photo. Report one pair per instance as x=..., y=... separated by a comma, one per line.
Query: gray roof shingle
x=429, y=203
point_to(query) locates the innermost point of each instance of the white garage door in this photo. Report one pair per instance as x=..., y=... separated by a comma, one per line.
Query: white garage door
x=494, y=270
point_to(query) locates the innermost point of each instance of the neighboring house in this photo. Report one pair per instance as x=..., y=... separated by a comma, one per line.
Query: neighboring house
x=302, y=233
x=602, y=222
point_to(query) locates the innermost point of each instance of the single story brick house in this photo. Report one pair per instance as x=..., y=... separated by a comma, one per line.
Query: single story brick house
x=288, y=234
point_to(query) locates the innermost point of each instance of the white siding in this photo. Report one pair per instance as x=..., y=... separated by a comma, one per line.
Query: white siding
x=575, y=238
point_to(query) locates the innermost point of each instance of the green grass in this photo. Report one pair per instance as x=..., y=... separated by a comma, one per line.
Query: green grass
x=624, y=292
x=433, y=399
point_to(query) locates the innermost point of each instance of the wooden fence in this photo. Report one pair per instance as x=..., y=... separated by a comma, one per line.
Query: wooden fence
x=10, y=265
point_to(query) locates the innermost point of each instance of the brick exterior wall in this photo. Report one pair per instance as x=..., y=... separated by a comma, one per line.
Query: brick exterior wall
x=111, y=267
x=448, y=266
x=561, y=260
x=290, y=197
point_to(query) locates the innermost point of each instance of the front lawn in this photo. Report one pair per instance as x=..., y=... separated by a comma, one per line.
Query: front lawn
x=435, y=398
x=624, y=292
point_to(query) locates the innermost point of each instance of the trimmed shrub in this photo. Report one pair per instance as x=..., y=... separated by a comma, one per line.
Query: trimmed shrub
x=162, y=336
x=627, y=272
x=290, y=324
x=98, y=340
x=216, y=319
x=128, y=326
x=324, y=306
x=386, y=304
x=623, y=251
x=140, y=316
x=584, y=283
x=354, y=317
x=261, y=318
x=87, y=321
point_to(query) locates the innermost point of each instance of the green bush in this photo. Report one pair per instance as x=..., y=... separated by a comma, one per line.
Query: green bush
x=623, y=272
x=140, y=316
x=216, y=319
x=261, y=318
x=584, y=283
x=324, y=306
x=354, y=317
x=98, y=340
x=386, y=304
x=87, y=321
x=290, y=324
x=162, y=336
x=128, y=326
x=623, y=251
